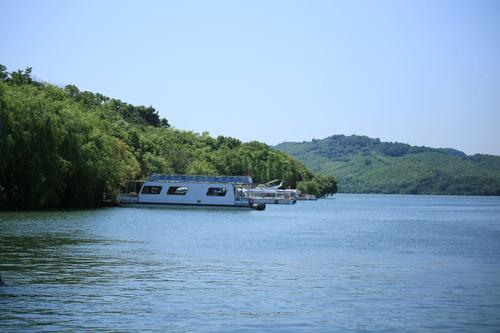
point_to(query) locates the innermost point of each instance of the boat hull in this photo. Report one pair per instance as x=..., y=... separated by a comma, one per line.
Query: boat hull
x=255, y=206
x=276, y=201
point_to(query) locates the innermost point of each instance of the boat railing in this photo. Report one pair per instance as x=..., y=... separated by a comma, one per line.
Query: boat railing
x=244, y=180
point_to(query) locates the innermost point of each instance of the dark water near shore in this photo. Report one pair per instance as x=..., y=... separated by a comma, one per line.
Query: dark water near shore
x=354, y=263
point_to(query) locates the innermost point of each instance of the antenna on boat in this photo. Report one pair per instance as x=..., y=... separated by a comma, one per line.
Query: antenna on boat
x=272, y=182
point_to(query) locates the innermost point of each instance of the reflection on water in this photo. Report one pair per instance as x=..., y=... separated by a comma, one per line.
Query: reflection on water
x=359, y=262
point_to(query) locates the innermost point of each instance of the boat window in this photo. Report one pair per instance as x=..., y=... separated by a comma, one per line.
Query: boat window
x=151, y=190
x=217, y=191
x=177, y=190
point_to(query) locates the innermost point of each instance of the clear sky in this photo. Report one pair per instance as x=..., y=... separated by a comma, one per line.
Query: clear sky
x=418, y=72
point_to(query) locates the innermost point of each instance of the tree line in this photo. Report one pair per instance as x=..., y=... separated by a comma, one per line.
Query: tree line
x=62, y=147
x=365, y=165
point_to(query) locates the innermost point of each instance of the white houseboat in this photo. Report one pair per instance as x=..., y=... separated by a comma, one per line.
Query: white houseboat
x=162, y=190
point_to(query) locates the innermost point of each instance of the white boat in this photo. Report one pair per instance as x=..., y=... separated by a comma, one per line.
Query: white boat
x=271, y=194
x=162, y=190
x=307, y=197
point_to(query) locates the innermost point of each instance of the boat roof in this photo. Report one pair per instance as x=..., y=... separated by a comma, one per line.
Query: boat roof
x=247, y=180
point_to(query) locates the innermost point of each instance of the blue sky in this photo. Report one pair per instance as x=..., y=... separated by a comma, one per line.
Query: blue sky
x=419, y=72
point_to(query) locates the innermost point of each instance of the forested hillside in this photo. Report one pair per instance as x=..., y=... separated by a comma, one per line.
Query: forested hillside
x=62, y=147
x=365, y=165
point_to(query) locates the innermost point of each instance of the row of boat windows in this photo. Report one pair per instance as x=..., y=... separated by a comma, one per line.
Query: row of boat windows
x=182, y=190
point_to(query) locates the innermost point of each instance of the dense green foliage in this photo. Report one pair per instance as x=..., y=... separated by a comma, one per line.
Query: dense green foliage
x=365, y=165
x=61, y=147
x=320, y=186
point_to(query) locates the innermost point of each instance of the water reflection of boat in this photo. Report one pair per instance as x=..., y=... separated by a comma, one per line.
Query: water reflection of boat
x=191, y=191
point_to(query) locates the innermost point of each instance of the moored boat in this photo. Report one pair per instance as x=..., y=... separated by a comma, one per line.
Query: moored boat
x=307, y=197
x=269, y=194
x=161, y=190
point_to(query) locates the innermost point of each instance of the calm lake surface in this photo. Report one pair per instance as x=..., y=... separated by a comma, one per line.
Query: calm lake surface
x=354, y=263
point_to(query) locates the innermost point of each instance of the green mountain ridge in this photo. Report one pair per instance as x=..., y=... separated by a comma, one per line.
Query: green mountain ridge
x=366, y=165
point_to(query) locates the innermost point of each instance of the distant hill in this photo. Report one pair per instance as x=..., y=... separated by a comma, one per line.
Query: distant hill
x=365, y=165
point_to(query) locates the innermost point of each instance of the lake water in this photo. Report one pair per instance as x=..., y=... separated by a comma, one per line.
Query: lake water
x=354, y=263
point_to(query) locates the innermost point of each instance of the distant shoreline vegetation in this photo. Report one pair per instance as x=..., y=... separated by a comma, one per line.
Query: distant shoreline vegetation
x=66, y=148
x=365, y=165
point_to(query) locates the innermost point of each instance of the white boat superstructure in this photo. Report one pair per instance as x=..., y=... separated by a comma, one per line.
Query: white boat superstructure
x=271, y=194
x=193, y=191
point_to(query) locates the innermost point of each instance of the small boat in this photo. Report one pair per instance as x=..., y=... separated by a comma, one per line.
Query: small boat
x=271, y=194
x=307, y=197
x=161, y=190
